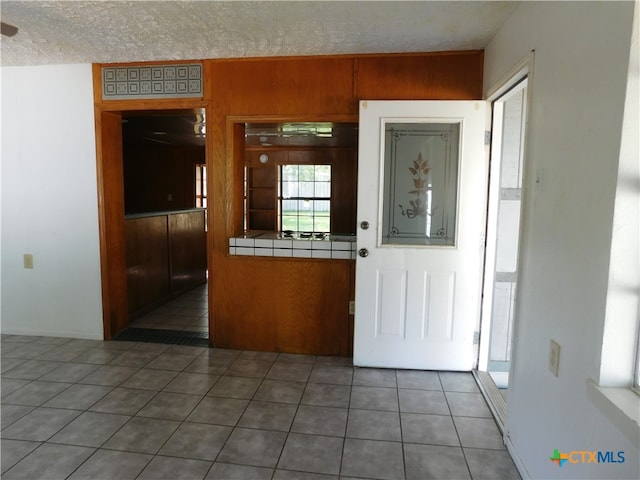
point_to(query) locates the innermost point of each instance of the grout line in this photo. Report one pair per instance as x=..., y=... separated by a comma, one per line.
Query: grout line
x=225, y=365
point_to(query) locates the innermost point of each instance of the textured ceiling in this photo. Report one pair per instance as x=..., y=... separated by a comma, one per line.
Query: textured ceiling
x=61, y=32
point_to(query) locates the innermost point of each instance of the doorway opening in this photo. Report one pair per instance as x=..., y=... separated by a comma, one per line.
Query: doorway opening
x=502, y=245
x=164, y=185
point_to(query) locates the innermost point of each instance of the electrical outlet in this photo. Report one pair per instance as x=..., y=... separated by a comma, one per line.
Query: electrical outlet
x=28, y=261
x=352, y=307
x=554, y=357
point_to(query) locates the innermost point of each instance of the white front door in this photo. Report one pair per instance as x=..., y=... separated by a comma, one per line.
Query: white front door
x=422, y=181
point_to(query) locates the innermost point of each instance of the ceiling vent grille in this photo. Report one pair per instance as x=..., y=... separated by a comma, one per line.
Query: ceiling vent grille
x=156, y=81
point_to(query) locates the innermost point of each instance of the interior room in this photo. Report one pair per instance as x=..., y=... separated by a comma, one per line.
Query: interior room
x=354, y=238
x=164, y=182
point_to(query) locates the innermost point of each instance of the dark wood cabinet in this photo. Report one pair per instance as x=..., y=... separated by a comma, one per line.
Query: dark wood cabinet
x=166, y=255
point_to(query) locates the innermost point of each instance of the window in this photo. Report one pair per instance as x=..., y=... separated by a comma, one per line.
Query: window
x=299, y=176
x=304, y=198
x=201, y=185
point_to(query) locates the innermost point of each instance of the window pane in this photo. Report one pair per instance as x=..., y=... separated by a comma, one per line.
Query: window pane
x=306, y=172
x=200, y=186
x=289, y=207
x=289, y=172
x=307, y=189
x=420, y=183
x=305, y=193
x=323, y=173
x=305, y=207
x=323, y=190
x=321, y=224
x=290, y=222
x=290, y=189
x=321, y=208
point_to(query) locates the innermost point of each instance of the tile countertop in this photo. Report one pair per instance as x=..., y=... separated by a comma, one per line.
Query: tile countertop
x=294, y=245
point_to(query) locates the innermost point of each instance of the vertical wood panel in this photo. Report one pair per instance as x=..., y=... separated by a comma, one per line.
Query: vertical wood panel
x=166, y=255
x=298, y=306
x=187, y=250
x=456, y=76
x=151, y=173
x=295, y=86
x=147, y=261
x=111, y=211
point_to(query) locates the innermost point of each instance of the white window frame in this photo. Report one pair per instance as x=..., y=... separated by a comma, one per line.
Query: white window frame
x=315, y=197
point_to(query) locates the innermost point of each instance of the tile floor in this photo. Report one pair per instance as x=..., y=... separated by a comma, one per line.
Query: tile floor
x=186, y=313
x=118, y=410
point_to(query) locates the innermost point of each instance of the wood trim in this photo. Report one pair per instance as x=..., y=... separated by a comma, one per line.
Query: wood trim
x=96, y=71
x=111, y=221
x=108, y=118
x=342, y=118
x=148, y=105
x=235, y=170
x=344, y=56
x=103, y=235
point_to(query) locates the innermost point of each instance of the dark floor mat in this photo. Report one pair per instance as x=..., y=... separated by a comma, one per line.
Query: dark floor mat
x=173, y=337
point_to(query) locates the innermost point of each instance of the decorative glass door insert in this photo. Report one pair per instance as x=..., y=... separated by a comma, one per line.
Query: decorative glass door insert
x=420, y=187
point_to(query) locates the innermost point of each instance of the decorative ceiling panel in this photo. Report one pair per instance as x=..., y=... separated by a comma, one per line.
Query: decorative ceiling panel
x=60, y=32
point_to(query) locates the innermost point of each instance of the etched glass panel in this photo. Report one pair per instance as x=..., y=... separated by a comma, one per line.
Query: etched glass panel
x=161, y=81
x=420, y=183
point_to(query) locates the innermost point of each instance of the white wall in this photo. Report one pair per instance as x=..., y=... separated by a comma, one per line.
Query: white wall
x=574, y=134
x=49, y=203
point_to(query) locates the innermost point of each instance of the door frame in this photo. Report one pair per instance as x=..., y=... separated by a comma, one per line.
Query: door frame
x=510, y=80
x=493, y=209
x=109, y=174
x=495, y=401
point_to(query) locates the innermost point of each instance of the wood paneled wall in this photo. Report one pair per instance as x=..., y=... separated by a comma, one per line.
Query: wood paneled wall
x=166, y=255
x=292, y=305
x=302, y=305
x=152, y=173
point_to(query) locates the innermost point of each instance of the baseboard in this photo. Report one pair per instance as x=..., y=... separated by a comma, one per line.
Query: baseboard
x=517, y=461
x=56, y=334
x=494, y=398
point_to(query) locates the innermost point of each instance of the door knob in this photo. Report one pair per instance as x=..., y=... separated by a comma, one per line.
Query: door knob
x=364, y=225
x=363, y=252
